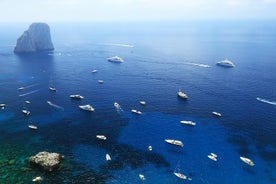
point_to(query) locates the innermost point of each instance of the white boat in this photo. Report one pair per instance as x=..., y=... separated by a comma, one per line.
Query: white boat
x=2, y=106
x=182, y=95
x=180, y=175
x=77, y=96
x=247, y=161
x=188, y=123
x=87, y=107
x=213, y=154
x=107, y=157
x=150, y=148
x=226, y=63
x=174, y=142
x=136, y=111
x=212, y=157
x=117, y=105
x=33, y=127
x=37, y=179
x=52, y=89
x=100, y=81
x=143, y=102
x=102, y=137
x=217, y=114
x=142, y=177
x=115, y=59
x=27, y=102
x=21, y=88
x=26, y=112
x=94, y=71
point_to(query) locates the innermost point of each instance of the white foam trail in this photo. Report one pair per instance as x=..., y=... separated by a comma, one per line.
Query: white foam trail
x=266, y=101
x=55, y=105
x=119, y=45
x=32, y=85
x=199, y=64
x=29, y=93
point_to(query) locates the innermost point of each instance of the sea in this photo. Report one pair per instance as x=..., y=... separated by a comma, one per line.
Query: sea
x=160, y=58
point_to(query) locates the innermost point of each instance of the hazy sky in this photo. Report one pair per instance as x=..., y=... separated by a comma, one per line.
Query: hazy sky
x=85, y=10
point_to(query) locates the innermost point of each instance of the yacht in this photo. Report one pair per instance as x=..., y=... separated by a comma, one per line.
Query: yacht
x=107, y=157
x=182, y=95
x=33, y=127
x=143, y=102
x=100, y=81
x=180, y=175
x=52, y=89
x=217, y=114
x=188, y=123
x=174, y=142
x=94, y=71
x=247, y=161
x=26, y=112
x=102, y=137
x=115, y=59
x=86, y=107
x=136, y=111
x=76, y=96
x=226, y=63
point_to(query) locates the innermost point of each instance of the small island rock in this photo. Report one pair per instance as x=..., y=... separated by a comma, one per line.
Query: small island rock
x=47, y=161
x=36, y=38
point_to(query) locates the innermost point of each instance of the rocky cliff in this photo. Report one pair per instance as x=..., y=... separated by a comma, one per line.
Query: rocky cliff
x=36, y=38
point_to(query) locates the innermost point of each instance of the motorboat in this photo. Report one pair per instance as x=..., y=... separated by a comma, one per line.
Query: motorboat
x=226, y=63
x=143, y=102
x=115, y=59
x=212, y=157
x=102, y=137
x=107, y=157
x=142, y=177
x=94, y=71
x=136, y=111
x=77, y=96
x=150, y=148
x=213, y=154
x=26, y=112
x=180, y=175
x=182, y=95
x=247, y=161
x=33, y=127
x=37, y=179
x=217, y=114
x=116, y=105
x=100, y=81
x=86, y=107
x=52, y=89
x=2, y=106
x=188, y=123
x=21, y=88
x=174, y=142
x=27, y=102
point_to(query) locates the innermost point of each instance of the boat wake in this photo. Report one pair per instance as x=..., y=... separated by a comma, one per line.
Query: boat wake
x=55, y=105
x=198, y=64
x=266, y=101
x=119, y=45
x=25, y=94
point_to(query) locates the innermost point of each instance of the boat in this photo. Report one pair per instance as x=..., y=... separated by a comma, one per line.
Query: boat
x=26, y=112
x=150, y=148
x=247, y=161
x=143, y=102
x=107, y=157
x=116, y=105
x=182, y=95
x=37, y=179
x=52, y=89
x=86, y=107
x=216, y=114
x=102, y=137
x=226, y=63
x=212, y=157
x=27, y=102
x=136, y=111
x=213, y=154
x=33, y=127
x=21, y=88
x=188, y=123
x=115, y=59
x=100, y=81
x=94, y=71
x=142, y=177
x=178, y=174
x=2, y=106
x=77, y=96
x=174, y=142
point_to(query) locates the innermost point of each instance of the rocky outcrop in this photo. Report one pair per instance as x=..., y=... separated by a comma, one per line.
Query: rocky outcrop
x=47, y=161
x=36, y=38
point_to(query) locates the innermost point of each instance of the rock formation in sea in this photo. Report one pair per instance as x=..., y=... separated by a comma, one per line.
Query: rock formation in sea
x=36, y=38
x=47, y=161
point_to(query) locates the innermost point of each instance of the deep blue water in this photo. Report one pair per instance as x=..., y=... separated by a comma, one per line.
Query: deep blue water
x=160, y=58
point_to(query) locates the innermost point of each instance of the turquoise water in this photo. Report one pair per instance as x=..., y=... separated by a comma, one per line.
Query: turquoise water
x=160, y=59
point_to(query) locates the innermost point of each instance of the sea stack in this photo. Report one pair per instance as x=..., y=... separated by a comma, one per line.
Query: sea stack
x=36, y=38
